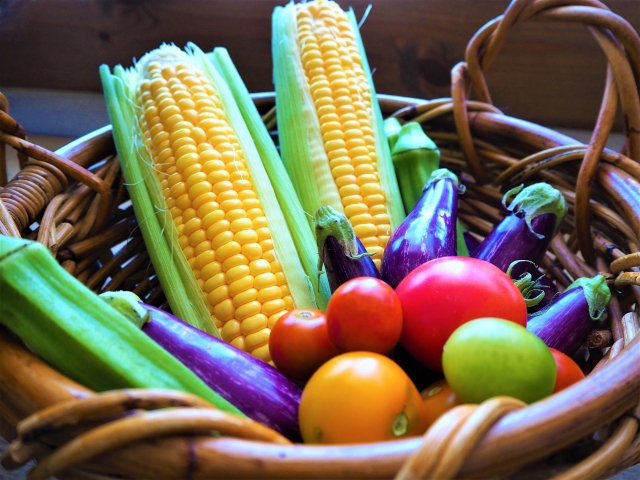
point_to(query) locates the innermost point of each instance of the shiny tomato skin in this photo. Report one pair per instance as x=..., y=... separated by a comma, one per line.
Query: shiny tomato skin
x=442, y=294
x=359, y=397
x=568, y=371
x=438, y=398
x=490, y=357
x=299, y=343
x=364, y=314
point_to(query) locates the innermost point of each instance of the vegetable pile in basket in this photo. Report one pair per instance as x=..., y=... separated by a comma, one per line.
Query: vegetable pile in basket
x=308, y=283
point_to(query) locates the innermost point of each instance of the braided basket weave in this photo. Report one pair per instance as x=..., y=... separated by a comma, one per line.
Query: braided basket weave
x=75, y=201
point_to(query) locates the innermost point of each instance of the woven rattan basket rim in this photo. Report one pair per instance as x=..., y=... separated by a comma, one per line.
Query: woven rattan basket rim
x=519, y=438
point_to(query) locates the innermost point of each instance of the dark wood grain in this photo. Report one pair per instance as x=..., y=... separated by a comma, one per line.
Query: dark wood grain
x=548, y=73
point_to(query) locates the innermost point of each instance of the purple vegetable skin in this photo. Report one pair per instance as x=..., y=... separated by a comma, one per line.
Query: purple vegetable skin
x=566, y=322
x=511, y=240
x=471, y=242
x=524, y=234
x=342, y=253
x=428, y=232
x=256, y=388
x=341, y=268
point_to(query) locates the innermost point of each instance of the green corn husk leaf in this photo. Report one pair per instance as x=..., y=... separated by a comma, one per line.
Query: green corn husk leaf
x=161, y=237
x=180, y=288
x=292, y=210
x=301, y=142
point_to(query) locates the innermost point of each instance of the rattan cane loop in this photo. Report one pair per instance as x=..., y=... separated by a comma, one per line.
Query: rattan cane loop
x=625, y=262
x=448, y=442
x=77, y=411
x=140, y=426
x=174, y=413
x=596, y=464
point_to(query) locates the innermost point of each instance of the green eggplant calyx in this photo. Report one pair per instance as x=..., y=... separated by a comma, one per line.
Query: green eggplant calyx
x=328, y=222
x=129, y=305
x=536, y=200
x=532, y=290
x=597, y=293
x=441, y=174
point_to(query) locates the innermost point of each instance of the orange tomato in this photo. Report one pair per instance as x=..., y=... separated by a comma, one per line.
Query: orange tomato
x=359, y=397
x=437, y=399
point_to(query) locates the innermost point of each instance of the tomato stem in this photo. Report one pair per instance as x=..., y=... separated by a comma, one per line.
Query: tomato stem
x=400, y=424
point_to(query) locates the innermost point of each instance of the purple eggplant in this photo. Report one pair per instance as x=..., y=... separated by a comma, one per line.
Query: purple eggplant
x=565, y=323
x=256, y=388
x=428, y=232
x=535, y=216
x=470, y=241
x=342, y=253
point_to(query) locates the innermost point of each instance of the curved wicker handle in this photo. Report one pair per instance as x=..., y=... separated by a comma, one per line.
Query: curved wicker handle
x=621, y=45
x=122, y=421
x=45, y=176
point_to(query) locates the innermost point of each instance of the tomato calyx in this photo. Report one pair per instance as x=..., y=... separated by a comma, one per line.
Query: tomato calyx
x=400, y=424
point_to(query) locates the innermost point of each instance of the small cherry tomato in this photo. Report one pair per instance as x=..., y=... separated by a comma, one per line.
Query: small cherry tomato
x=299, y=343
x=568, y=371
x=364, y=314
x=437, y=399
x=359, y=397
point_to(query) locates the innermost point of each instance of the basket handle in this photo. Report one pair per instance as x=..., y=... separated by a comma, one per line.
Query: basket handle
x=621, y=45
x=128, y=421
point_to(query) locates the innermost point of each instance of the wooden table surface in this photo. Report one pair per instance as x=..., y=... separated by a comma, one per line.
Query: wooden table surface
x=549, y=73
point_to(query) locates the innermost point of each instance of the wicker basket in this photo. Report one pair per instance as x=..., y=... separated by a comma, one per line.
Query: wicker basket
x=75, y=201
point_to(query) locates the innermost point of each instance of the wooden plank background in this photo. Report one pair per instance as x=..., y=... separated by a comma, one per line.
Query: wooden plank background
x=550, y=73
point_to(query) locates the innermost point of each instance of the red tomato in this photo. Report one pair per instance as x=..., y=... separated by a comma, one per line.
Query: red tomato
x=568, y=371
x=364, y=314
x=359, y=397
x=437, y=399
x=299, y=343
x=442, y=294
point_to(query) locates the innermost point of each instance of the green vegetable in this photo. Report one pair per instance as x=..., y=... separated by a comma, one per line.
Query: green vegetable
x=491, y=357
x=392, y=127
x=415, y=157
x=78, y=333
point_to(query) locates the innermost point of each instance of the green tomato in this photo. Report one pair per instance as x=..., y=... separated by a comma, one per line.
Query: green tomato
x=491, y=357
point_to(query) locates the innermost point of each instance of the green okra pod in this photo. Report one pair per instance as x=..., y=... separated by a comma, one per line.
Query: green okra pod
x=78, y=333
x=392, y=127
x=415, y=156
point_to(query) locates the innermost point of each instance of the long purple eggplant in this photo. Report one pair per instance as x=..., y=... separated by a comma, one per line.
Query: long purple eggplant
x=256, y=388
x=470, y=241
x=525, y=233
x=428, y=232
x=568, y=319
x=342, y=253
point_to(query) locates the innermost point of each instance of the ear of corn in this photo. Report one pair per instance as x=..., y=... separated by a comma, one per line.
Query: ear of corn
x=292, y=210
x=329, y=121
x=185, y=146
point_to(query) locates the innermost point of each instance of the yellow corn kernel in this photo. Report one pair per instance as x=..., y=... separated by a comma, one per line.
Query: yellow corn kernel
x=339, y=87
x=223, y=231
